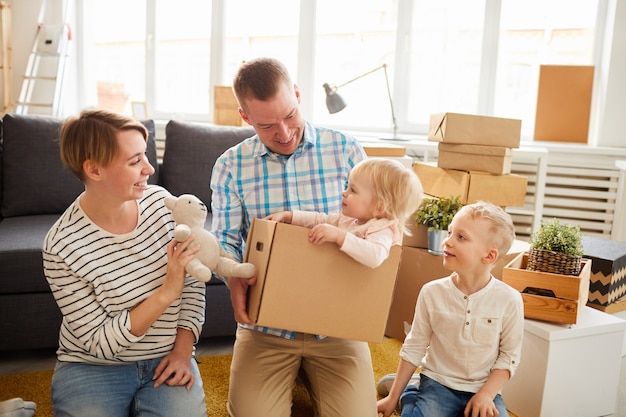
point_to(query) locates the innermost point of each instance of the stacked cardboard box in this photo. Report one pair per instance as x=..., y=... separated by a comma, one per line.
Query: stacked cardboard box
x=475, y=143
x=474, y=159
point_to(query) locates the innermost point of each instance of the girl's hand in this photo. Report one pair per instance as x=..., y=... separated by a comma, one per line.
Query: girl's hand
x=281, y=217
x=321, y=233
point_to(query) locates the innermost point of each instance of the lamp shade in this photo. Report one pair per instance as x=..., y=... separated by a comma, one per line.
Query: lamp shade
x=334, y=102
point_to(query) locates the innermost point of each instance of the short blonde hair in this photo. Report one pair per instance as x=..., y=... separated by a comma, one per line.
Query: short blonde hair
x=92, y=136
x=501, y=229
x=395, y=186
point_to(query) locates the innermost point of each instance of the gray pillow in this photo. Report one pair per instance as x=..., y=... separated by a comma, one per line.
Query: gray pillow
x=34, y=180
x=191, y=150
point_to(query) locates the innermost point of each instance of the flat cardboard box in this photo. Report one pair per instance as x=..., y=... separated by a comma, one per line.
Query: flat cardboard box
x=564, y=103
x=570, y=291
x=378, y=149
x=475, y=129
x=417, y=267
x=608, y=273
x=492, y=159
x=501, y=190
x=225, y=107
x=316, y=289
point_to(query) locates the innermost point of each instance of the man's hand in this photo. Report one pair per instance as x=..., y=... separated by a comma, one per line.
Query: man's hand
x=239, y=297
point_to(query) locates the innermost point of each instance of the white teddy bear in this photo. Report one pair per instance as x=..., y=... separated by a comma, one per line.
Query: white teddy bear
x=190, y=213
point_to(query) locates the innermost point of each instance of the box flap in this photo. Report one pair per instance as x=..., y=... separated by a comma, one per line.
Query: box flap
x=435, y=128
x=258, y=250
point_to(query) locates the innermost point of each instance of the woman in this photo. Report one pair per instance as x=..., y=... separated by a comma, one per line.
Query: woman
x=131, y=316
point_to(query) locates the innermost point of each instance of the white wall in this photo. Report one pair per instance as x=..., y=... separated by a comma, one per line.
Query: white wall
x=608, y=126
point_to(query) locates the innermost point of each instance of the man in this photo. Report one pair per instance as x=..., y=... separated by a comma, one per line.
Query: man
x=289, y=164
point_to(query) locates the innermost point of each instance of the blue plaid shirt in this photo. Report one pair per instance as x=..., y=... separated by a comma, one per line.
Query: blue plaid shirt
x=249, y=181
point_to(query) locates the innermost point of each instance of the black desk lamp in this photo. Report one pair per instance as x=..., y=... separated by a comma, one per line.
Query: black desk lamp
x=335, y=103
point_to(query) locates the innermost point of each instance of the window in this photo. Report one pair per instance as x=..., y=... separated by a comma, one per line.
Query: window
x=471, y=56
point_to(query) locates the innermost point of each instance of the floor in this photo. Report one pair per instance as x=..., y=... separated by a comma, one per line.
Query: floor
x=37, y=360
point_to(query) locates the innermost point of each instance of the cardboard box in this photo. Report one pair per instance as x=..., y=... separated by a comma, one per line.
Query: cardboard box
x=501, y=190
x=474, y=129
x=608, y=273
x=417, y=267
x=225, y=107
x=316, y=289
x=570, y=292
x=418, y=237
x=564, y=103
x=492, y=159
x=379, y=149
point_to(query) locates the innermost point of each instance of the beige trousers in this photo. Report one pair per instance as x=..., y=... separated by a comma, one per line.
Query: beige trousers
x=265, y=367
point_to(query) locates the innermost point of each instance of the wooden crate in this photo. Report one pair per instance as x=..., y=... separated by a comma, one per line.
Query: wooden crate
x=570, y=291
x=225, y=107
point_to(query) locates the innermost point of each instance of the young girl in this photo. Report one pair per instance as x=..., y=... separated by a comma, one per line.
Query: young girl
x=380, y=198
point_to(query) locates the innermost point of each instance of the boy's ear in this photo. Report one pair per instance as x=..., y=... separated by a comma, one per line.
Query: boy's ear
x=491, y=256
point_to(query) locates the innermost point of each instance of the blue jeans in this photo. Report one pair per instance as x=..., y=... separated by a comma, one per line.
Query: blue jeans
x=431, y=399
x=124, y=390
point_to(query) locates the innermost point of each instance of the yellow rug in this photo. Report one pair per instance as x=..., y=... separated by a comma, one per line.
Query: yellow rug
x=35, y=386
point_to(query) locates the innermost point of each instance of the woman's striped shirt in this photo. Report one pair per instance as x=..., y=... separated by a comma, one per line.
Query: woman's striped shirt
x=96, y=277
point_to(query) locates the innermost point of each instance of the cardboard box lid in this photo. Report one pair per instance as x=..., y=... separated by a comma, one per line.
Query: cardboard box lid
x=378, y=149
x=316, y=289
x=486, y=150
x=474, y=129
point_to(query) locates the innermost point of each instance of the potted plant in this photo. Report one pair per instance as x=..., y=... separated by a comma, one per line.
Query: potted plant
x=436, y=214
x=556, y=248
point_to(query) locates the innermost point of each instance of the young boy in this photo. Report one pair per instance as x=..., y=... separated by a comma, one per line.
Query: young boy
x=466, y=335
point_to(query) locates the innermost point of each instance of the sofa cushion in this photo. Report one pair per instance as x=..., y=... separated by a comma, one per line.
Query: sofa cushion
x=21, y=261
x=34, y=180
x=191, y=150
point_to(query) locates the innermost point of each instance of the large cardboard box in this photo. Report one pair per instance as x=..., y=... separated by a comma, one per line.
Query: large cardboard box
x=417, y=267
x=549, y=297
x=225, y=107
x=564, y=103
x=316, y=289
x=474, y=129
x=492, y=159
x=501, y=190
x=607, y=285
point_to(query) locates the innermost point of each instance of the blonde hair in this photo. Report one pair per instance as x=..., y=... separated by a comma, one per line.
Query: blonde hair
x=501, y=229
x=92, y=136
x=396, y=187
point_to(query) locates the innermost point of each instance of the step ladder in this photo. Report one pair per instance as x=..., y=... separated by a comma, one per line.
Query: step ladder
x=43, y=80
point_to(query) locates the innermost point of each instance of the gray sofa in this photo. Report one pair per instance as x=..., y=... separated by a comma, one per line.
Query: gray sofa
x=35, y=189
